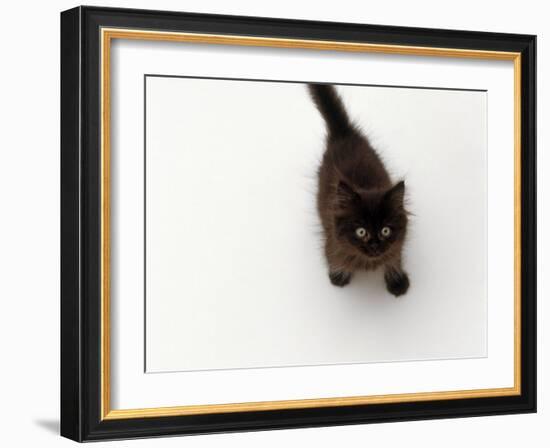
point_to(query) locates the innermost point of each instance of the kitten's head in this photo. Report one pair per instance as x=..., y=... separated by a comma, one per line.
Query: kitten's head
x=372, y=222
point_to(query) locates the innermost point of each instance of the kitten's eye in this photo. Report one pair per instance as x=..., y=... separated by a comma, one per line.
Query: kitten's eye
x=361, y=232
x=385, y=232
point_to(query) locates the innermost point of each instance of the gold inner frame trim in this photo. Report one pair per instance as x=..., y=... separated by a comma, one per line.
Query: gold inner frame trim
x=107, y=35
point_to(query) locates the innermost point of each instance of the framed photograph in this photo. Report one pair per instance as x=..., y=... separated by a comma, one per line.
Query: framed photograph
x=273, y=223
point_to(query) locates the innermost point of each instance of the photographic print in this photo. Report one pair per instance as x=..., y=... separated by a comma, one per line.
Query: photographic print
x=278, y=224
x=357, y=230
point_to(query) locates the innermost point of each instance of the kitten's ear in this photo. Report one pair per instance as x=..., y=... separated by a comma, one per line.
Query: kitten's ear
x=345, y=195
x=395, y=195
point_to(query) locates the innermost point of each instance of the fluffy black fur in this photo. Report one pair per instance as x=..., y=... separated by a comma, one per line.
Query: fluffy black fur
x=355, y=192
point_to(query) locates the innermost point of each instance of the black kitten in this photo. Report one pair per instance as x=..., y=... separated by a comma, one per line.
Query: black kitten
x=361, y=210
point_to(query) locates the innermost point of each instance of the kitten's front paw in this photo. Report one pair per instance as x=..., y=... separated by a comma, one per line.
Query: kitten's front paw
x=397, y=283
x=339, y=278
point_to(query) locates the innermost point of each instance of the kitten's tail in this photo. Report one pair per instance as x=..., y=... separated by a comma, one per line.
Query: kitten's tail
x=332, y=109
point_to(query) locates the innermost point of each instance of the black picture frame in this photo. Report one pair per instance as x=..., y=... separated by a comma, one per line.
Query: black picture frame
x=81, y=224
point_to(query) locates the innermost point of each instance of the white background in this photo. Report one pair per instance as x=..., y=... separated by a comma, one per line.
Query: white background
x=29, y=183
x=234, y=251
